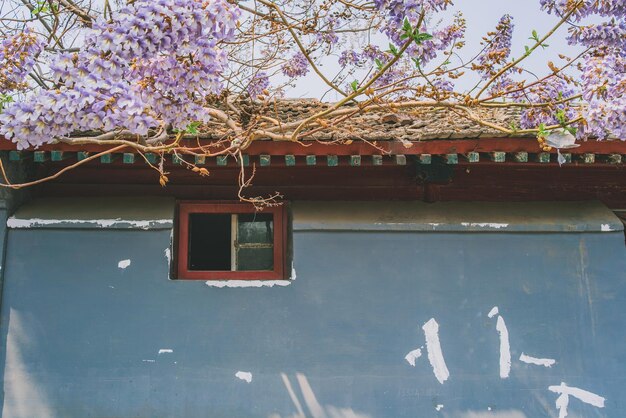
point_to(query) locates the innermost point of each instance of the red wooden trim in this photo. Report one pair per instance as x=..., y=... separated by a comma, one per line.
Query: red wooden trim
x=186, y=208
x=435, y=147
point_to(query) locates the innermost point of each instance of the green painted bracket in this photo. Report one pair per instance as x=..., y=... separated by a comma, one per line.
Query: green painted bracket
x=265, y=160
x=128, y=158
x=520, y=157
x=151, y=157
x=222, y=160
x=40, y=156
x=425, y=159
x=290, y=160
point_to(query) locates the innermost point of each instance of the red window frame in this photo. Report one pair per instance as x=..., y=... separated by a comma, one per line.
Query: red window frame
x=280, y=241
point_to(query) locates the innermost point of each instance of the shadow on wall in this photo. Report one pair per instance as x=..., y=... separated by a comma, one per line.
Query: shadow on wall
x=22, y=397
x=315, y=409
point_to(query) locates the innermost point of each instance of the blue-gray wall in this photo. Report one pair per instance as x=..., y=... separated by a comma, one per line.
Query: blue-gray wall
x=81, y=336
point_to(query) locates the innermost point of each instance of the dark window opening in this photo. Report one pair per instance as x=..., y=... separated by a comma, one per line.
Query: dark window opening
x=209, y=241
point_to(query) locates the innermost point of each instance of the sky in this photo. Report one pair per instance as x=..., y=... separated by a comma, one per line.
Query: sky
x=482, y=16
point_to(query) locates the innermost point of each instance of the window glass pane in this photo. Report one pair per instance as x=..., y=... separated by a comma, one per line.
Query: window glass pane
x=255, y=228
x=255, y=259
x=209, y=241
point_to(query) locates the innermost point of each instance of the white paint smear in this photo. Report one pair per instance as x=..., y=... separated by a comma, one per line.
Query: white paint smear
x=493, y=312
x=165, y=350
x=168, y=256
x=247, y=283
x=412, y=356
x=149, y=361
x=439, y=407
x=562, y=402
x=247, y=376
x=435, y=355
x=505, y=349
x=545, y=362
x=605, y=228
x=123, y=264
x=13, y=222
x=293, y=273
x=488, y=225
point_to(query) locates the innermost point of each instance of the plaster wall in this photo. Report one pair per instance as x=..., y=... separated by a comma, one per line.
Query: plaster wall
x=84, y=335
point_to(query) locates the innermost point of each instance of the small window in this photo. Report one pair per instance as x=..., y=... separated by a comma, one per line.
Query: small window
x=231, y=241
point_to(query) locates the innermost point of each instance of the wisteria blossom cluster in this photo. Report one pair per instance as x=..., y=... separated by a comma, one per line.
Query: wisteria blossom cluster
x=297, y=66
x=17, y=58
x=497, y=50
x=554, y=90
x=604, y=68
x=604, y=89
x=152, y=65
x=258, y=84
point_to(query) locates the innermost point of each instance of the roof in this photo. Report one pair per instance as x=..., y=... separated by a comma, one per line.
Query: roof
x=380, y=131
x=381, y=123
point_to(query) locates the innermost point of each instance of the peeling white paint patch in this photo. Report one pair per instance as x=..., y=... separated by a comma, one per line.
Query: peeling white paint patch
x=412, y=356
x=165, y=350
x=486, y=225
x=149, y=361
x=247, y=283
x=439, y=407
x=493, y=312
x=605, y=228
x=293, y=273
x=545, y=362
x=123, y=264
x=168, y=256
x=435, y=355
x=14, y=222
x=505, y=348
x=247, y=376
x=565, y=392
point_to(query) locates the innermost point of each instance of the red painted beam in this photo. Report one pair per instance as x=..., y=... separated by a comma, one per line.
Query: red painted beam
x=435, y=147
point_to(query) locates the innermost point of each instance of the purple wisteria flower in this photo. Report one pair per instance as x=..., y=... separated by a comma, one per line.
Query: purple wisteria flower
x=257, y=84
x=153, y=64
x=297, y=66
x=498, y=48
x=17, y=58
x=552, y=90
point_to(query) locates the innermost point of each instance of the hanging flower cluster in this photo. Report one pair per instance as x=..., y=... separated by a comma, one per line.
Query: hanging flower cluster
x=604, y=67
x=258, y=83
x=17, y=58
x=297, y=66
x=150, y=66
x=497, y=48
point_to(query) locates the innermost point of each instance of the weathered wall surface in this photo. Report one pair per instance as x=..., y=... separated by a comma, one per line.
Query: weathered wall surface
x=87, y=336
